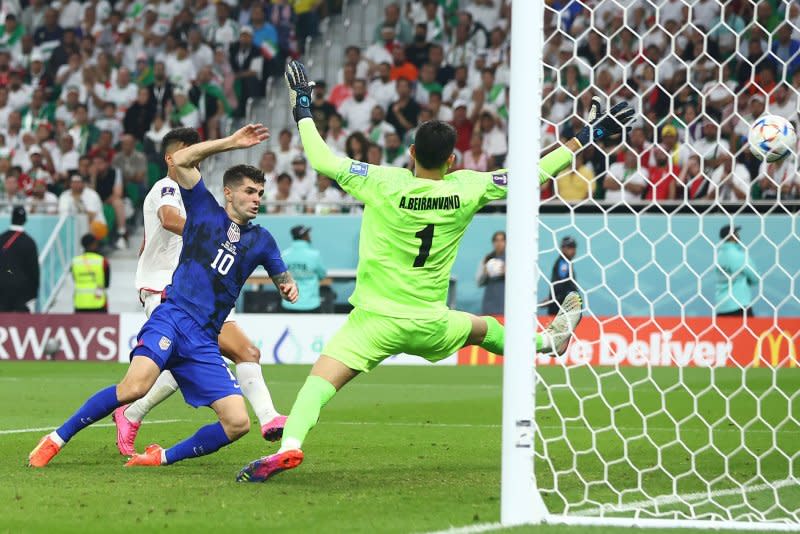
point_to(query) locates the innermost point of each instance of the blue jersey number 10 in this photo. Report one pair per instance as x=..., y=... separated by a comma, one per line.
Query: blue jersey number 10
x=223, y=262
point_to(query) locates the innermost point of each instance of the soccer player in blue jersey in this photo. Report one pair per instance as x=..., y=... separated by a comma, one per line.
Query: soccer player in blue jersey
x=221, y=248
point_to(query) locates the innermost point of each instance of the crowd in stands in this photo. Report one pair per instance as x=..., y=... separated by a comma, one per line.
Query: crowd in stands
x=88, y=90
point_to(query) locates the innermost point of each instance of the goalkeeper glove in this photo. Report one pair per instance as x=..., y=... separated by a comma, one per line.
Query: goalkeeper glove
x=299, y=90
x=603, y=125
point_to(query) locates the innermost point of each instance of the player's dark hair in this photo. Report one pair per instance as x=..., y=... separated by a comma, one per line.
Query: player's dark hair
x=434, y=143
x=235, y=175
x=186, y=136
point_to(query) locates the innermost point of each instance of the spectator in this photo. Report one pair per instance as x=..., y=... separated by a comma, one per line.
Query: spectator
x=48, y=36
x=711, y=147
x=427, y=84
x=357, y=109
x=201, y=54
x=210, y=101
x=352, y=56
x=457, y=88
x=83, y=133
x=625, y=181
x=577, y=183
x=248, y=67
x=185, y=114
x=325, y=198
x=392, y=18
x=463, y=126
x=107, y=181
x=736, y=275
x=356, y=146
x=306, y=266
x=222, y=31
x=786, y=50
x=401, y=67
x=19, y=266
x=180, y=68
x=267, y=165
x=91, y=273
x=562, y=278
x=286, y=151
x=429, y=16
x=104, y=147
x=378, y=127
x=755, y=108
x=64, y=156
x=10, y=32
x=383, y=89
x=785, y=103
x=132, y=164
x=161, y=89
x=462, y=51
x=439, y=111
x=444, y=72
x=321, y=109
x=109, y=123
x=281, y=15
x=662, y=175
x=336, y=138
x=494, y=139
x=475, y=159
x=307, y=22
x=283, y=194
x=374, y=154
x=417, y=52
x=381, y=50
x=41, y=200
x=492, y=276
x=302, y=183
x=344, y=90
x=140, y=115
x=394, y=153
x=491, y=96
x=19, y=93
x=13, y=195
x=404, y=112
x=731, y=181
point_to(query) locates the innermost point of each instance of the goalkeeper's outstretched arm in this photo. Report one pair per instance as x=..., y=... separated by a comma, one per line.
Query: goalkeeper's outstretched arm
x=320, y=156
x=601, y=125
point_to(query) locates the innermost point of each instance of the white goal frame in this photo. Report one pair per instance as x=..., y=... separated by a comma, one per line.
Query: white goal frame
x=521, y=502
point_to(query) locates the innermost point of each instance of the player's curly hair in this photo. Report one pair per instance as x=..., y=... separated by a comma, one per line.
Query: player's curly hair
x=185, y=136
x=234, y=176
x=433, y=143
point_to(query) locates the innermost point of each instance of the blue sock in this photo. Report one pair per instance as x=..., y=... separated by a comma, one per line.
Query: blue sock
x=206, y=440
x=97, y=407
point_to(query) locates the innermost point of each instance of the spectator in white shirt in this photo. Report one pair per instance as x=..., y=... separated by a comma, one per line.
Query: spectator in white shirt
x=710, y=147
x=109, y=122
x=352, y=56
x=336, y=137
x=325, y=198
x=42, y=200
x=378, y=127
x=286, y=152
x=80, y=198
x=267, y=166
x=494, y=139
x=457, y=88
x=180, y=68
x=302, y=182
x=201, y=53
x=731, y=181
x=383, y=89
x=19, y=94
x=284, y=193
x=785, y=104
x=625, y=181
x=356, y=109
x=379, y=52
x=439, y=111
x=65, y=157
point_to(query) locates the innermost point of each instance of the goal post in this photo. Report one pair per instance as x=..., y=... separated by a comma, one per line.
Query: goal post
x=663, y=413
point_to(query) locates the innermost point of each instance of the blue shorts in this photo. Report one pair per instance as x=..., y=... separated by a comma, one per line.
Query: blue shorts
x=175, y=342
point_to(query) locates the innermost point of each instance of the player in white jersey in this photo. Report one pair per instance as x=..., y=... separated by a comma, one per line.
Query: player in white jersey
x=164, y=218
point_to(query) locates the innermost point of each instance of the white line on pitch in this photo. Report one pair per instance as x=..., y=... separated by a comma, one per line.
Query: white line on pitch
x=471, y=529
x=665, y=500
x=97, y=425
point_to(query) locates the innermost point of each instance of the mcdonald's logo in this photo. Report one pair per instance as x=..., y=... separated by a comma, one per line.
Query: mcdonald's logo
x=774, y=341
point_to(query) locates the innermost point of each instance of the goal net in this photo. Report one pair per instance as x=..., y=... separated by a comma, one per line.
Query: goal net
x=678, y=400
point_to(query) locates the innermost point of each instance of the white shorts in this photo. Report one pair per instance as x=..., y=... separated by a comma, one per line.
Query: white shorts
x=151, y=299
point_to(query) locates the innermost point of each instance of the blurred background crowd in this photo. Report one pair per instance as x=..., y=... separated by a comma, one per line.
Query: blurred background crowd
x=88, y=90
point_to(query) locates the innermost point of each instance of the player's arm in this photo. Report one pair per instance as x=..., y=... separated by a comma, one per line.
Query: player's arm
x=186, y=160
x=286, y=286
x=171, y=219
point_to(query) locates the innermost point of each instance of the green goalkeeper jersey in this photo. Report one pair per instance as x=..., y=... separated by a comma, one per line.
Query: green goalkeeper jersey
x=411, y=227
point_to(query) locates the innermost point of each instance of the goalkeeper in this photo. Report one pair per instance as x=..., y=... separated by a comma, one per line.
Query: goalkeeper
x=410, y=232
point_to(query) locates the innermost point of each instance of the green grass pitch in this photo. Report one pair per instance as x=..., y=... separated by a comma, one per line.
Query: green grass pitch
x=403, y=449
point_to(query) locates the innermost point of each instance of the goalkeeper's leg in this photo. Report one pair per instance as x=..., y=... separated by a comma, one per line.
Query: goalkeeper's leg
x=489, y=334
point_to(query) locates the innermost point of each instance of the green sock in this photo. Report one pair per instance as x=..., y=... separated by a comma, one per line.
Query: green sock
x=495, y=339
x=314, y=394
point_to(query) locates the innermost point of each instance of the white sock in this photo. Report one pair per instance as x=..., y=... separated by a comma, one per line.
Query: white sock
x=163, y=456
x=289, y=444
x=55, y=437
x=164, y=387
x=255, y=391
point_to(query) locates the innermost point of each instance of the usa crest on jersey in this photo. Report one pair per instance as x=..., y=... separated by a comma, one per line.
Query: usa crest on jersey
x=233, y=233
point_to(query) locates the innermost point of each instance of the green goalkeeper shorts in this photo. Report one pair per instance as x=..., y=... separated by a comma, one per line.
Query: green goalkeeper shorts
x=367, y=338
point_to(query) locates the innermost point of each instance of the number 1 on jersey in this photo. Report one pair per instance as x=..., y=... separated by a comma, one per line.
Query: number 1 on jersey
x=426, y=236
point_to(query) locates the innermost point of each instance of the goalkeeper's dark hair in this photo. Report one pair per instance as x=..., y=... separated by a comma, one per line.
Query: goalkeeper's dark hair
x=434, y=143
x=235, y=175
x=184, y=136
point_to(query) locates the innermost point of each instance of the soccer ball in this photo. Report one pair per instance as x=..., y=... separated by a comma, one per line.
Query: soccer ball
x=772, y=138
